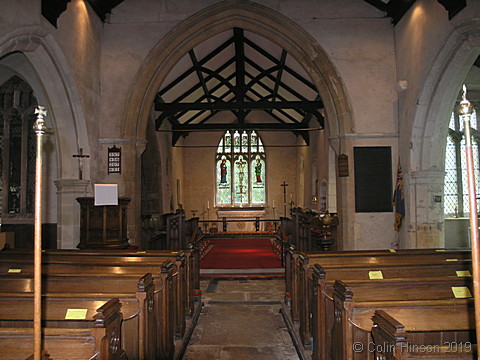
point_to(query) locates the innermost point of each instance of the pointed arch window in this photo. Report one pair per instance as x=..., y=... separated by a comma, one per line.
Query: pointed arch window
x=240, y=170
x=456, y=202
x=17, y=148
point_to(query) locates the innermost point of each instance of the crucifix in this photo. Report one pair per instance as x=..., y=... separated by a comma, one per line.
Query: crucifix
x=284, y=198
x=80, y=156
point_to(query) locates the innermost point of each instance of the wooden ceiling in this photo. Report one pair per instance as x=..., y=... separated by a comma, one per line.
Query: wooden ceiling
x=229, y=78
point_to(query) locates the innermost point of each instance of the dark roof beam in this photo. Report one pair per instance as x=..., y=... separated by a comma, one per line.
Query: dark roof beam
x=207, y=79
x=276, y=61
x=240, y=88
x=309, y=106
x=215, y=88
x=201, y=63
x=246, y=126
x=266, y=87
x=283, y=58
x=198, y=70
x=270, y=112
x=283, y=85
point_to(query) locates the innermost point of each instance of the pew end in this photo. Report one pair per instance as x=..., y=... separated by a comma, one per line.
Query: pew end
x=391, y=341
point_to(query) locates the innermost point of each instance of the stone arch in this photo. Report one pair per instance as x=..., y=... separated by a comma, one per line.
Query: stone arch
x=428, y=132
x=221, y=17
x=440, y=92
x=45, y=67
x=54, y=86
x=205, y=24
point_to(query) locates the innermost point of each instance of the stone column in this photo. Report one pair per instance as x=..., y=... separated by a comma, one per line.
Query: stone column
x=132, y=178
x=425, y=218
x=68, y=211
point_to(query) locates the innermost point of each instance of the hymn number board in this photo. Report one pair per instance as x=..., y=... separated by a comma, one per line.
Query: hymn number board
x=114, y=160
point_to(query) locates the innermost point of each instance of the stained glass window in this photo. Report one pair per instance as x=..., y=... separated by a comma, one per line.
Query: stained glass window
x=17, y=148
x=456, y=202
x=240, y=170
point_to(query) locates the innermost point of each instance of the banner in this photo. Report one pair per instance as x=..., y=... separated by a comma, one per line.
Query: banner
x=399, y=199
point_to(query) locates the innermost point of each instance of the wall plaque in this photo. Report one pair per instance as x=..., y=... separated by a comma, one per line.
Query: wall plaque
x=342, y=165
x=114, y=160
x=373, y=179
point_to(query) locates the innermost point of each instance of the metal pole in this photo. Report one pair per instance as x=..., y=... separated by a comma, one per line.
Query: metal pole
x=465, y=110
x=39, y=128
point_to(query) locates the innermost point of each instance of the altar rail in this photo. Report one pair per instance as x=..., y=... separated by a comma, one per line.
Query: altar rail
x=222, y=225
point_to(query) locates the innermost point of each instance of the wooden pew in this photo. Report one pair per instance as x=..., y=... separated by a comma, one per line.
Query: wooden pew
x=314, y=323
x=168, y=292
x=299, y=265
x=140, y=324
x=123, y=262
x=97, y=336
x=355, y=303
x=191, y=266
x=409, y=339
x=191, y=277
x=300, y=281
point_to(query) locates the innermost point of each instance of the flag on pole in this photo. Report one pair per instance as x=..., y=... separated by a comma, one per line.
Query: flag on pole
x=399, y=199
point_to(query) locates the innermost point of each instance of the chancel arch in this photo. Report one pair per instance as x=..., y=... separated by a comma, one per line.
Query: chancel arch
x=210, y=22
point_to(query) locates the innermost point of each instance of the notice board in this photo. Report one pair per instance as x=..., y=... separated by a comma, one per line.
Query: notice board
x=373, y=179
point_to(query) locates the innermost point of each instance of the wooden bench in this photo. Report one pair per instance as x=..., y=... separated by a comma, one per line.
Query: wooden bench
x=299, y=265
x=58, y=262
x=191, y=255
x=96, y=336
x=314, y=323
x=355, y=303
x=192, y=265
x=140, y=324
x=169, y=307
x=410, y=338
x=292, y=256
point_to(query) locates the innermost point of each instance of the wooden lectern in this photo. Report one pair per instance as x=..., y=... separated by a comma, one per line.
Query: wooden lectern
x=103, y=227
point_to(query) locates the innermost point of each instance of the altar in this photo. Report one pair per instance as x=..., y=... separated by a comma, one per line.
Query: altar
x=240, y=220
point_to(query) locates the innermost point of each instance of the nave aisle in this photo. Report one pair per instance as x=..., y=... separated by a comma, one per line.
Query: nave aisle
x=241, y=320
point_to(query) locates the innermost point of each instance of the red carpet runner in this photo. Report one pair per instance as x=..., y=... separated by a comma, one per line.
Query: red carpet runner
x=229, y=255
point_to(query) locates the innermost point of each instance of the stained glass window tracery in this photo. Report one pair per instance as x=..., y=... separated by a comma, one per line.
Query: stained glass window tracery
x=240, y=170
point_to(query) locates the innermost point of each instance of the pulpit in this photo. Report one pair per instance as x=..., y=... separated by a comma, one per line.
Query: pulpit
x=103, y=226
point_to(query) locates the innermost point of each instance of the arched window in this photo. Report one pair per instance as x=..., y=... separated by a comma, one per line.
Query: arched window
x=17, y=148
x=240, y=170
x=456, y=187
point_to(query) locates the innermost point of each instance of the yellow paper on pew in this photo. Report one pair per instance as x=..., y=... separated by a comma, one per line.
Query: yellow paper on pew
x=141, y=252
x=463, y=273
x=461, y=292
x=393, y=250
x=375, y=275
x=76, y=314
x=451, y=259
x=15, y=271
x=440, y=250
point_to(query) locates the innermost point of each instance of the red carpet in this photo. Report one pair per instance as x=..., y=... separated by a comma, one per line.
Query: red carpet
x=241, y=254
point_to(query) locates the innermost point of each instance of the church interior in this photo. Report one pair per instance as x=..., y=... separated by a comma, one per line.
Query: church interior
x=222, y=179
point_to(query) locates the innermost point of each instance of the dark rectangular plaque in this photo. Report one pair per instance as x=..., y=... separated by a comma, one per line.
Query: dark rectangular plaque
x=373, y=179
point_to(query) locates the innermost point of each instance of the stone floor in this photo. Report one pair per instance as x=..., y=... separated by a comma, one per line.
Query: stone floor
x=241, y=320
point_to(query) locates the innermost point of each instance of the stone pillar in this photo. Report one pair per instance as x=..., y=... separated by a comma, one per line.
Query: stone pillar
x=425, y=220
x=68, y=211
x=132, y=178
